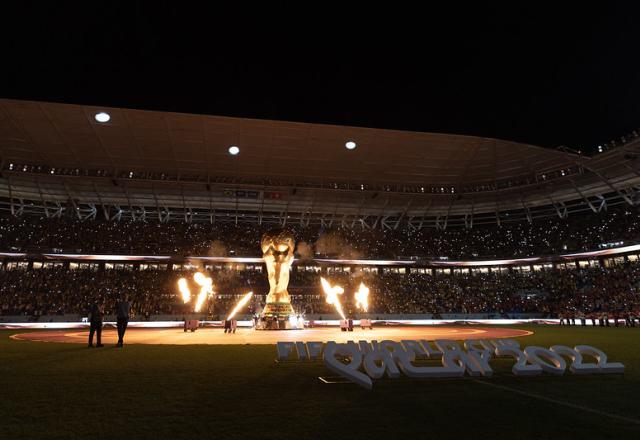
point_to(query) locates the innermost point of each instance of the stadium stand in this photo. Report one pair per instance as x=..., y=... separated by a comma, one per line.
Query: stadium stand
x=92, y=209
x=548, y=236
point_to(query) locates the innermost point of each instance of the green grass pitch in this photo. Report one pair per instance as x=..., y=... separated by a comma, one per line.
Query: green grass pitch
x=66, y=391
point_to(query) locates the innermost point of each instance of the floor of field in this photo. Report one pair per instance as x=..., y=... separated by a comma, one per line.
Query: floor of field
x=146, y=391
x=215, y=336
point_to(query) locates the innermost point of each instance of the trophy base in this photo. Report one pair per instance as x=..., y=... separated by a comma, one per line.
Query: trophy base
x=275, y=316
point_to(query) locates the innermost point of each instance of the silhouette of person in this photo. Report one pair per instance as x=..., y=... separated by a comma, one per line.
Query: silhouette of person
x=123, y=310
x=96, y=312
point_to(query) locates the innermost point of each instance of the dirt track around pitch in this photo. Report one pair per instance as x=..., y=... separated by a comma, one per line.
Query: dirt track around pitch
x=216, y=336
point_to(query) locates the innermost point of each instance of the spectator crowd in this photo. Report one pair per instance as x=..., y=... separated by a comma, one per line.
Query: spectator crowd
x=551, y=292
x=548, y=236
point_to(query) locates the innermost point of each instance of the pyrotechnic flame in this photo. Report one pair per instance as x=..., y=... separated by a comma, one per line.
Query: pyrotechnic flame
x=240, y=305
x=332, y=293
x=199, y=278
x=362, y=297
x=184, y=290
x=206, y=288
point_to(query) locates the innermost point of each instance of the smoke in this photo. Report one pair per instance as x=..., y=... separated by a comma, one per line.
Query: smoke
x=305, y=250
x=334, y=245
x=349, y=253
x=329, y=244
x=227, y=275
x=217, y=249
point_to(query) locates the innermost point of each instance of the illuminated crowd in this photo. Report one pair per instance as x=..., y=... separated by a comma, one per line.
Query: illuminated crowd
x=62, y=291
x=551, y=293
x=547, y=236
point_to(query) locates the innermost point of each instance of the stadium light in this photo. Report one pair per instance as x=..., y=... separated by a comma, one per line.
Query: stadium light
x=350, y=145
x=102, y=117
x=233, y=150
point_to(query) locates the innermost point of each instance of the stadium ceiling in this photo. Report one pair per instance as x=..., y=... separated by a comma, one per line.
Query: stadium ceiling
x=58, y=158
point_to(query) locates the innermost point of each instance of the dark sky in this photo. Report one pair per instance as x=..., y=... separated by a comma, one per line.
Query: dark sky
x=539, y=74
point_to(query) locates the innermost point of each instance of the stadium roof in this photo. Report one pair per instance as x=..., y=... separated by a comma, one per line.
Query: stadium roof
x=63, y=153
x=68, y=136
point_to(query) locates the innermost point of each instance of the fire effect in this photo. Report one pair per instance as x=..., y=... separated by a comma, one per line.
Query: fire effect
x=362, y=297
x=206, y=289
x=332, y=293
x=240, y=305
x=184, y=290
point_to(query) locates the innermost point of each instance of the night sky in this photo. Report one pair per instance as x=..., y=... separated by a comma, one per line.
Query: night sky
x=536, y=74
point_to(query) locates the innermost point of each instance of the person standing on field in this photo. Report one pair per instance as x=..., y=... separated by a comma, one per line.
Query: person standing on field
x=123, y=310
x=96, y=312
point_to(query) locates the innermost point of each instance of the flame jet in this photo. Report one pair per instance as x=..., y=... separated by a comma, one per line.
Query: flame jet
x=183, y=286
x=206, y=289
x=332, y=293
x=362, y=297
x=240, y=305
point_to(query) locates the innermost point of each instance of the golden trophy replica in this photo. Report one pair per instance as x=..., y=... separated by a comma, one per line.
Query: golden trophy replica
x=277, y=253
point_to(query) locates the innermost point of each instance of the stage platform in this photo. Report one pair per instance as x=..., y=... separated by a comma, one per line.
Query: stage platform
x=216, y=336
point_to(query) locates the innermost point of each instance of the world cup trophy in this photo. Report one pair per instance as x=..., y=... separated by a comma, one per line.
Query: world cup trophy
x=277, y=253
